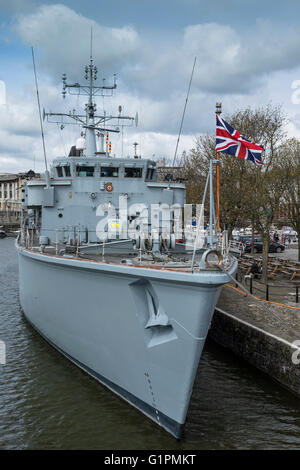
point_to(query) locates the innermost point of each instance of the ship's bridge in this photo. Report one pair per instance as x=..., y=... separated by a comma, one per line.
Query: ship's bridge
x=81, y=187
x=103, y=168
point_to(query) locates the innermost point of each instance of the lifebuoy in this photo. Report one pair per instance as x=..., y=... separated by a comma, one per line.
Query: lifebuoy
x=109, y=187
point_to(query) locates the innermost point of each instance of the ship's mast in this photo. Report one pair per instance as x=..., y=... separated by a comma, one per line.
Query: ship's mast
x=90, y=137
x=91, y=121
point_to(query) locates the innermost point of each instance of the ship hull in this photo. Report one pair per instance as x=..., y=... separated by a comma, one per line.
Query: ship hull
x=100, y=316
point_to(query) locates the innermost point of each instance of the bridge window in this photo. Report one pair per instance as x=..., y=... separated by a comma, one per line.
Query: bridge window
x=85, y=170
x=109, y=171
x=150, y=173
x=67, y=170
x=59, y=171
x=133, y=172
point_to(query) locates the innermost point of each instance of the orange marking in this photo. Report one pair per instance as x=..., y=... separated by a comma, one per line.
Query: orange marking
x=262, y=300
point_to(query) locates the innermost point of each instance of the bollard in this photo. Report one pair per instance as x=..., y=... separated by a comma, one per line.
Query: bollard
x=267, y=291
x=297, y=294
x=251, y=285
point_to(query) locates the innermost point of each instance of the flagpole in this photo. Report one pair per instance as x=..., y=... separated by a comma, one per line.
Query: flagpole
x=218, y=111
x=218, y=193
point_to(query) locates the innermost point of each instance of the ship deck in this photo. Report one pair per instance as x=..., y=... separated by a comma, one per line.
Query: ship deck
x=170, y=261
x=179, y=260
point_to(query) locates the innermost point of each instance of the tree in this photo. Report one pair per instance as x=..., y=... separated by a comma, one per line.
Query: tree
x=248, y=193
x=233, y=182
x=290, y=154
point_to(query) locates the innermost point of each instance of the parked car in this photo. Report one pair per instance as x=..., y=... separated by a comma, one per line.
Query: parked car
x=2, y=234
x=244, y=238
x=274, y=247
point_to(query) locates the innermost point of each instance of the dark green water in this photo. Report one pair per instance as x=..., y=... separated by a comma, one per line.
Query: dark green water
x=48, y=403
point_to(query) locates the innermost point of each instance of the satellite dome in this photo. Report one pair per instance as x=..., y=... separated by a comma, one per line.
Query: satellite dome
x=80, y=143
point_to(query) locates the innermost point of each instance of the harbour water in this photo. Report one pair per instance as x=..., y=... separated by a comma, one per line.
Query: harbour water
x=48, y=403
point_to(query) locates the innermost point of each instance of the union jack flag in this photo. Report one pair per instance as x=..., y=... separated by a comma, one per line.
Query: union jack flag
x=230, y=141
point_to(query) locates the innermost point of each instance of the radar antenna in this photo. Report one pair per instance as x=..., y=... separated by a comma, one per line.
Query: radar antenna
x=91, y=121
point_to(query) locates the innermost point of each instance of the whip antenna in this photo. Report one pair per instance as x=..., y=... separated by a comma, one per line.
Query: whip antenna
x=91, y=42
x=183, y=114
x=39, y=106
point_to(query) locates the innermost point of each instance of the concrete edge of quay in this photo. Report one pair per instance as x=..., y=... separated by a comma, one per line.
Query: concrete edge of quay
x=268, y=352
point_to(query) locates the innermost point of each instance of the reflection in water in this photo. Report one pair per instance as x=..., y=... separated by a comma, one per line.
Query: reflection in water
x=48, y=403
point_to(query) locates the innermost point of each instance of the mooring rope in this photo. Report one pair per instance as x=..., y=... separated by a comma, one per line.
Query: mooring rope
x=262, y=300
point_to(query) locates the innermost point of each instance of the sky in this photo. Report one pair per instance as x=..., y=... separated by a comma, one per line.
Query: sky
x=247, y=54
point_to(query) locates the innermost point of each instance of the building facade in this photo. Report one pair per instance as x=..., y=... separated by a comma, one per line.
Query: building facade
x=11, y=194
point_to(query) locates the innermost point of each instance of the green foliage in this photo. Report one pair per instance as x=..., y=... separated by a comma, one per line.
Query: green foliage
x=290, y=202
x=250, y=194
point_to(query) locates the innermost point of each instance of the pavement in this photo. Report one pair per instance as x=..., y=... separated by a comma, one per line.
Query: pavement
x=281, y=294
x=289, y=253
x=246, y=309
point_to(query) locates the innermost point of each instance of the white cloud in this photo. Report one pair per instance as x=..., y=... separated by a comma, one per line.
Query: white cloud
x=231, y=62
x=63, y=36
x=20, y=138
x=233, y=66
x=157, y=145
x=228, y=61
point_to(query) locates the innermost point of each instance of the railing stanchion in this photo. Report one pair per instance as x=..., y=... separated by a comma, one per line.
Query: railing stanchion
x=56, y=242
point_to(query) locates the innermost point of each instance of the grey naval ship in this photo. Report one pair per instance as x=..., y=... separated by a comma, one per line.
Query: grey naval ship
x=107, y=274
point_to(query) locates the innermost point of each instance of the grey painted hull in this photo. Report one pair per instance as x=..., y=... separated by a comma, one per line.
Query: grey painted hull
x=98, y=314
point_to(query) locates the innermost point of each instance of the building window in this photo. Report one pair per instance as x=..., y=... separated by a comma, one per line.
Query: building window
x=85, y=170
x=0, y=194
x=133, y=172
x=10, y=194
x=59, y=171
x=67, y=170
x=109, y=171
